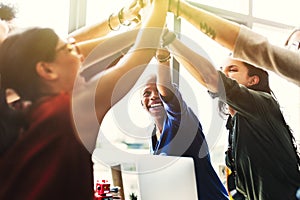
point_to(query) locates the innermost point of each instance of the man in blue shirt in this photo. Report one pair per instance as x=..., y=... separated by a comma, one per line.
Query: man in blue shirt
x=178, y=131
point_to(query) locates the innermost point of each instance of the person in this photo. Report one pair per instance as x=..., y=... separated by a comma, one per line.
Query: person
x=95, y=34
x=178, y=131
x=7, y=15
x=270, y=138
x=242, y=41
x=262, y=153
x=88, y=37
x=48, y=161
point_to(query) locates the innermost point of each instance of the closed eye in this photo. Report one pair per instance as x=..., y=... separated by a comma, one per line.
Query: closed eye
x=233, y=69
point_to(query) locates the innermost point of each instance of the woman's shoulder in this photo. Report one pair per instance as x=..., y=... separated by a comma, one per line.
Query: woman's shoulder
x=57, y=106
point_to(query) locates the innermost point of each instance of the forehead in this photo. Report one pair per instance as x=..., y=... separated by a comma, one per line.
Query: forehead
x=149, y=86
x=230, y=62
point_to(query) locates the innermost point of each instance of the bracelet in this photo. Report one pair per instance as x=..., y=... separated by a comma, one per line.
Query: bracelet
x=137, y=19
x=163, y=60
x=109, y=25
x=121, y=18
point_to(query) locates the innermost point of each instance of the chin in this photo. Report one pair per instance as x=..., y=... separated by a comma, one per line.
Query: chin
x=158, y=113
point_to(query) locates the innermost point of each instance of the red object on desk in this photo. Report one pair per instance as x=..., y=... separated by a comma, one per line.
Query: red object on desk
x=102, y=191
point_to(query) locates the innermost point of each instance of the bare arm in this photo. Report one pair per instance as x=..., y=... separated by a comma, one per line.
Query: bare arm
x=104, y=27
x=91, y=101
x=221, y=30
x=89, y=37
x=198, y=65
x=164, y=82
x=132, y=63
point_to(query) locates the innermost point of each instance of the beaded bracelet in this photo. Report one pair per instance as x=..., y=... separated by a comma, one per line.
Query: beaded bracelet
x=109, y=25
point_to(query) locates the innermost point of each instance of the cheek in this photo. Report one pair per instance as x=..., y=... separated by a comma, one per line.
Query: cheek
x=69, y=61
x=232, y=76
x=74, y=64
x=144, y=103
x=76, y=59
x=235, y=77
x=72, y=67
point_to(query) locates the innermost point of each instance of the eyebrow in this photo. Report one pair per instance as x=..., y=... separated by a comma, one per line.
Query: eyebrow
x=145, y=89
x=233, y=65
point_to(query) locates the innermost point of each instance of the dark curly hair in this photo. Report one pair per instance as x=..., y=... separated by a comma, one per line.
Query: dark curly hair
x=7, y=12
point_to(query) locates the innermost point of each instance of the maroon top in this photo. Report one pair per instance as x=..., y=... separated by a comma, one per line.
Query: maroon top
x=48, y=161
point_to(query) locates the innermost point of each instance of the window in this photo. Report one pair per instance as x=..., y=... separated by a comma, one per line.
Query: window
x=53, y=14
x=241, y=6
x=286, y=12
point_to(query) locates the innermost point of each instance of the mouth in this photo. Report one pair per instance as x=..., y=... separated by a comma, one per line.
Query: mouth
x=155, y=105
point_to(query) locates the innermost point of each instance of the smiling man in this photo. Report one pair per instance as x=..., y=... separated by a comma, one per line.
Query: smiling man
x=178, y=131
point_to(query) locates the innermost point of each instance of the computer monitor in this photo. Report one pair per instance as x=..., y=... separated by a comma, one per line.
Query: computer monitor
x=152, y=176
x=166, y=178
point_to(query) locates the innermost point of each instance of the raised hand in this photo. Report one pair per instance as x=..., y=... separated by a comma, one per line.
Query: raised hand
x=131, y=12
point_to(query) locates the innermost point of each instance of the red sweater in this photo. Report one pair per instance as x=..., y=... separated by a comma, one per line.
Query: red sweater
x=48, y=161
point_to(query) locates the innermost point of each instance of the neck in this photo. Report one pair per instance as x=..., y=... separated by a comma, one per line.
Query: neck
x=159, y=122
x=43, y=96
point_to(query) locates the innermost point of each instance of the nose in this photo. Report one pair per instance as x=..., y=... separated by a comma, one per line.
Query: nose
x=154, y=95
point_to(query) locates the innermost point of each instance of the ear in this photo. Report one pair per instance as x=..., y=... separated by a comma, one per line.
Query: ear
x=46, y=71
x=253, y=80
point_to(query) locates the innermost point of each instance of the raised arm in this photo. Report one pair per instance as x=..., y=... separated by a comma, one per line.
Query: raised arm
x=92, y=101
x=111, y=23
x=164, y=81
x=88, y=37
x=242, y=41
x=197, y=63
x=134, y=62
x=221, y=30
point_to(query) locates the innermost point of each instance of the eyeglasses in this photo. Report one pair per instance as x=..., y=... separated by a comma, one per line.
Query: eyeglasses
x=71, y=46
x=294, y=46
